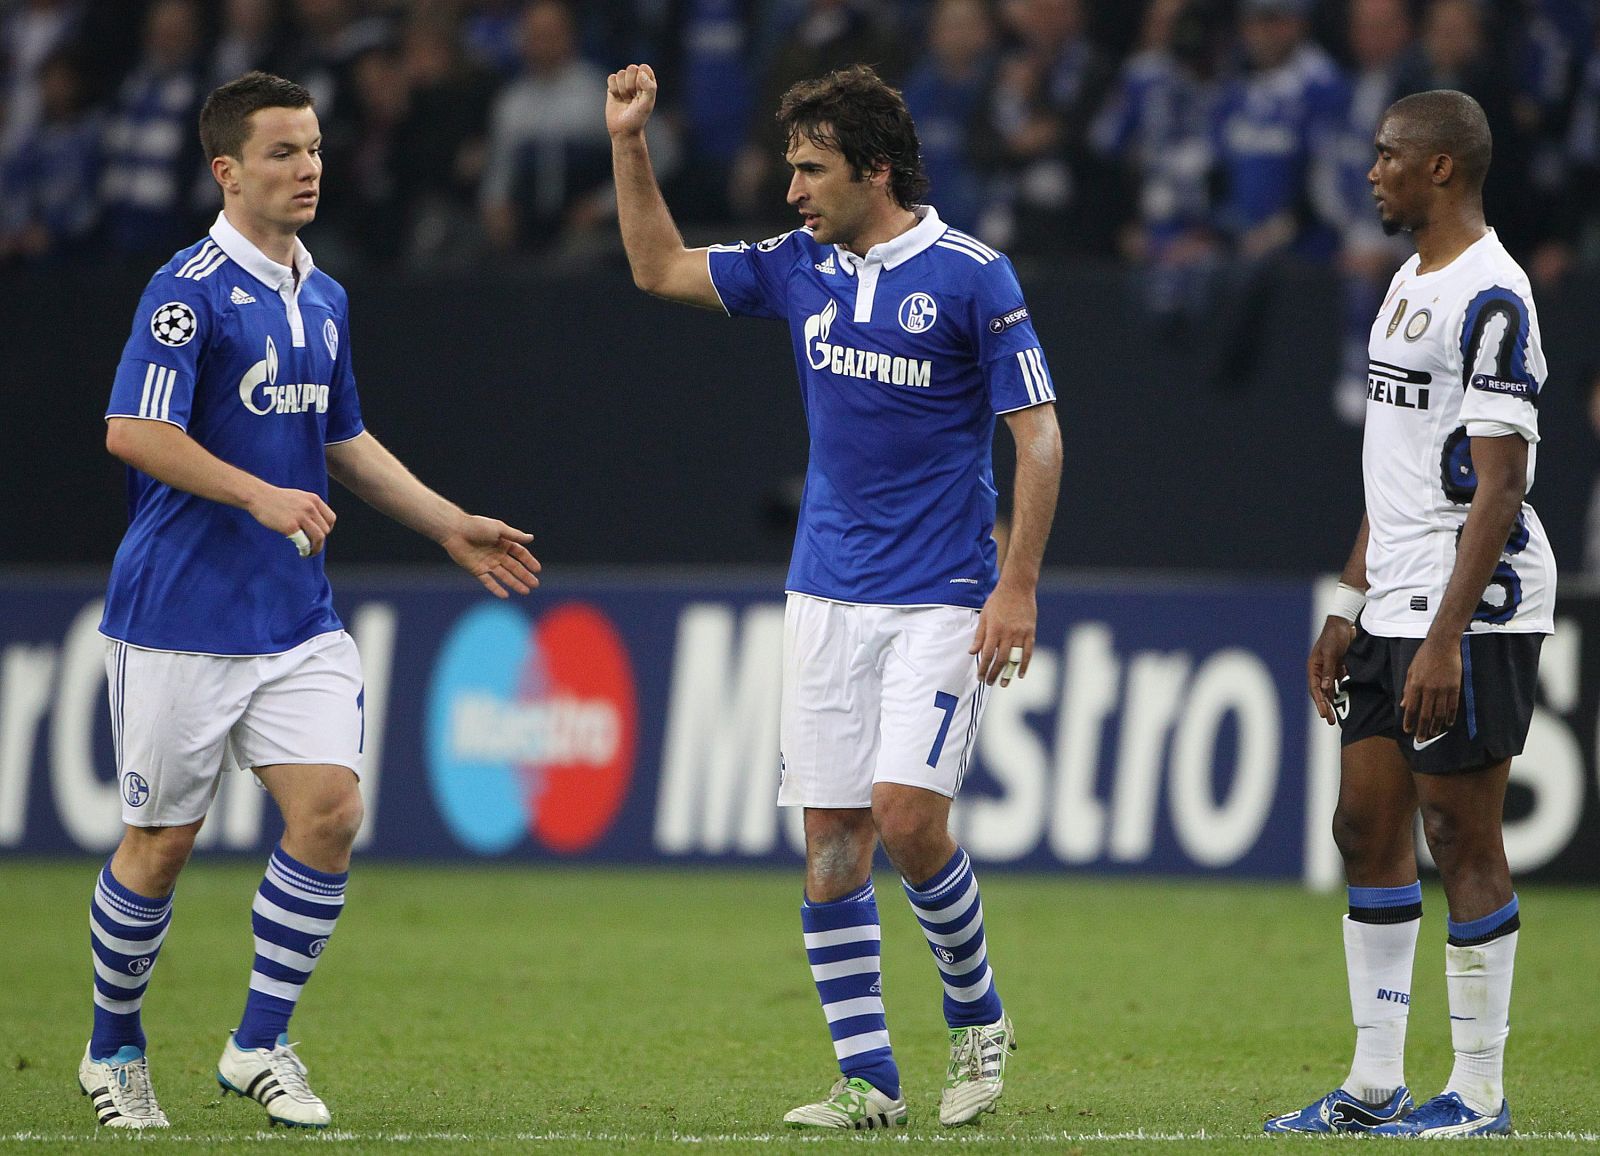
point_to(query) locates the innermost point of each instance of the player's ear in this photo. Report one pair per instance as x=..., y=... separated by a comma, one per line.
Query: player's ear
x=222, y=170
x=1444, y=167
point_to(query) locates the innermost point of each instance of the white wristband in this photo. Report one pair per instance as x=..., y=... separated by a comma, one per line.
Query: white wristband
x=1347, y=603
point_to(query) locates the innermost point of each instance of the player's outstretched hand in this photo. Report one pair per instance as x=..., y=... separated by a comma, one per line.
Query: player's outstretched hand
x=630, y=98
x=494, y=553
x=291, y=512
x=1004, y=640
x=1325, y=667
x=1433, y=691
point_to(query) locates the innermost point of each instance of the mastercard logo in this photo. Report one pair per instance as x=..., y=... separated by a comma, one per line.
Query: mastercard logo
x=532, y=728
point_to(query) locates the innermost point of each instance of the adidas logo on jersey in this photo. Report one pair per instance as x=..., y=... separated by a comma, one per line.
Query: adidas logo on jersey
x=827, y=266
x=240, y=297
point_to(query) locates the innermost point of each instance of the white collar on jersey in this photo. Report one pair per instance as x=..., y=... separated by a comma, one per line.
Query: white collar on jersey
x=898, y=250
x=256, y=263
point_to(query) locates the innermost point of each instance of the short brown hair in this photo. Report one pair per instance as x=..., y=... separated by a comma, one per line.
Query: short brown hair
x=225, y=118
x=853, y=111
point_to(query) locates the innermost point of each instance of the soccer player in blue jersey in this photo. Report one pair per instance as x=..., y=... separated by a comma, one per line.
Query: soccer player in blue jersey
x=909, y=338
x=233, y=403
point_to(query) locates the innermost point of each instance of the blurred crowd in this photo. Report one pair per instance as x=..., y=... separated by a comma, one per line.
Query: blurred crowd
x=1201, y=139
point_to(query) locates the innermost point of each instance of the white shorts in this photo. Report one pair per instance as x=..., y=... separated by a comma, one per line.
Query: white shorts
x=875, y=694
x=174, y=717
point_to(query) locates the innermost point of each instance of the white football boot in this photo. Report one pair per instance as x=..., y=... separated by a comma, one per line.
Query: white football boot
x=852, y=1103
x=276, y=1079
x=119, y=1087
x=977, y=1072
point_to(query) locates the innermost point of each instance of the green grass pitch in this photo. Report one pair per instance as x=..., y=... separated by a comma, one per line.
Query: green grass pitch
x=510, y=1009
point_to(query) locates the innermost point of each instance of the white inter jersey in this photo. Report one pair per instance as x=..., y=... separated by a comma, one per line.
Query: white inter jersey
x=1455, y=354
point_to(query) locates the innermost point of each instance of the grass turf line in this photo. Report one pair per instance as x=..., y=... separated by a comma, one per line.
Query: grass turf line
x=504, y=1008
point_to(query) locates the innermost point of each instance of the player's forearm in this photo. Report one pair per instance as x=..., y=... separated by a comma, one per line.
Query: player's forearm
x=649, y=235
x=1033, y=507
x=366, y=468
x=173, y=458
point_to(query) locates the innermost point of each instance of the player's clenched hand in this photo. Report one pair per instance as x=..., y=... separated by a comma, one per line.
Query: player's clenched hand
x=494, y=554
x=1433, y=690
x=289, y=511
x=1006, y=628
x=630, y=98
x=1326, y=667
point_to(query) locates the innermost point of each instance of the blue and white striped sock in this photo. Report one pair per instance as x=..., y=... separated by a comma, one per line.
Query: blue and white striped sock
x=293, y=915
x=125, y=934
x=951, y=914
x=842, y=946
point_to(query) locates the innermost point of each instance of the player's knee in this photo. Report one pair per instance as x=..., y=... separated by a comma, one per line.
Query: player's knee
x=905, y=832
x=158, y=854
x=335, y=824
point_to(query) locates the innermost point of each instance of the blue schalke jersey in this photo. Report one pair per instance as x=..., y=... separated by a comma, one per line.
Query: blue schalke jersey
x=254, y=364
x=905, y=358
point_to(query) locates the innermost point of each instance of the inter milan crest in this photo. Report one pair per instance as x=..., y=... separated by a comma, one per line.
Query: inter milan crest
x=1394, y=322
x=173, y=324
x=1418, y=325
x=917, y=313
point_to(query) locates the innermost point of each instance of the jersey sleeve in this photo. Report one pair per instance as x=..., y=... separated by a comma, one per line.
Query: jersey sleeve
x=753, y=280
x=1008, y=349
x=344, y=406
x=1502, y=365
x=160, y=363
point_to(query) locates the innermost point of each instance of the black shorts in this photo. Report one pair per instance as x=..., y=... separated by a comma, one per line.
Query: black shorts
x=1498, y=676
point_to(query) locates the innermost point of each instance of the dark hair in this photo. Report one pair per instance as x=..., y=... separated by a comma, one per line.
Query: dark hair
x=225, y=118
x=1450, y=122
x=853, y=111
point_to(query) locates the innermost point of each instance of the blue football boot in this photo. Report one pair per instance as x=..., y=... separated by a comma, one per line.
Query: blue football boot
x=1339, y=1111
x=1447, y=1115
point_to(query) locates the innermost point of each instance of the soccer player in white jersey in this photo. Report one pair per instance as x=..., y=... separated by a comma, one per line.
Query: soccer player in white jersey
x=909, y=337
x=1429, y=661
x=233, y=403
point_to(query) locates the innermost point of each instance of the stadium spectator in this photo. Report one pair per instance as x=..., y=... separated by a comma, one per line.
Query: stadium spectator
x=48, y=186
x=718, y=81
x=441, y=142
x=1156, y=126
x=366, y=207
x=329, y=35
x=1456, y=54
x=1034, y=129
x=29, y=35
x=944, y=92
x=826, y=34
x=489, y=31
x=1382, y=52
x=548, y=158
x=251, y=37
x=1270, y=120
x=151, y=154
x=1583, y=156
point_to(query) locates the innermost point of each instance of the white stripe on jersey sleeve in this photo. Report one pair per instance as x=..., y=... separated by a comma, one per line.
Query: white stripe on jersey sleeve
x=166, y=393
x=956, y=247
x=1047, y=392
x=144, y=398
x=207, y=251
x=1033, y=376
x=209, y=267
x=958, y=235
